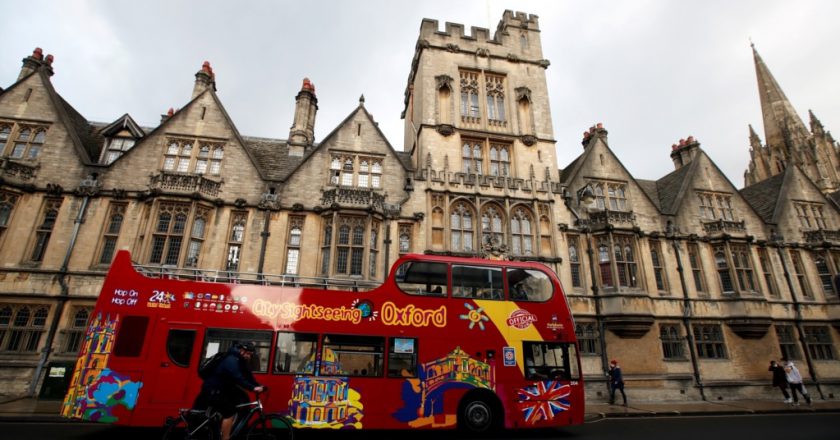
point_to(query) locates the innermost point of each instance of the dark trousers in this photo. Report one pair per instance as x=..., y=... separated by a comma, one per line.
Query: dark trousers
x=797, y=387
x=783, y=387
x=617, y=386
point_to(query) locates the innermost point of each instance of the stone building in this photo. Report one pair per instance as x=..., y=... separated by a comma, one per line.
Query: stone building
x=693, y=283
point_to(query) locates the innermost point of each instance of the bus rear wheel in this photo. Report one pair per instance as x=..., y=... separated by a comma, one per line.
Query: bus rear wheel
x=477, y=416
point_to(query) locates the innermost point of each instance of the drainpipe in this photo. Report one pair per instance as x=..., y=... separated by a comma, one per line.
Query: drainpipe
x=687, y=310
x=88, y=187
x=264, y=234
x=778, y=242
x=267, y=202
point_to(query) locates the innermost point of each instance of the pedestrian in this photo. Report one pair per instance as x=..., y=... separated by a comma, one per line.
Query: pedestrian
x=795, y=381
x=616, y=382
x=780, y=379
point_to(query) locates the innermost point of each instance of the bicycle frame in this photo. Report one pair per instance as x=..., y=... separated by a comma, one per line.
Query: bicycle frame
x=240, y=423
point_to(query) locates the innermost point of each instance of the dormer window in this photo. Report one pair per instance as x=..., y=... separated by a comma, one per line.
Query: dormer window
x=116, y=147
x=610, y=195
x=810, y=215
x=193, y=156
x=356, y=171
x=21, y=141
x=715, y=206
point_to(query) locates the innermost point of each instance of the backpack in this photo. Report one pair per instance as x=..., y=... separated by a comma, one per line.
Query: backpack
x=208, y=366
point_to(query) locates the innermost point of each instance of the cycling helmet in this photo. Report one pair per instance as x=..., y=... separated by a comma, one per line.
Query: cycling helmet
x=248, y=346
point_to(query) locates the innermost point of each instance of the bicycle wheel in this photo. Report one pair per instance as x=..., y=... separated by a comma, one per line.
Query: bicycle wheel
x=174, y=429
x=271, y=427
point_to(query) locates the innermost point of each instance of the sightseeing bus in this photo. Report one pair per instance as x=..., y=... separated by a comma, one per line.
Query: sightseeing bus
x=443, y=342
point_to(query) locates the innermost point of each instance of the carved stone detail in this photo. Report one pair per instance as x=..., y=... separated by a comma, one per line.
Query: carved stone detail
x=187, y=183
x=529, y=140
x=445, y=129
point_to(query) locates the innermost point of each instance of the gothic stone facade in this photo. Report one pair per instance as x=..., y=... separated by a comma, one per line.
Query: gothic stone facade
x=692, y=283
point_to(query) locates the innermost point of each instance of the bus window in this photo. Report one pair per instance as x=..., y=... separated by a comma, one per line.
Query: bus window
x=131, y=336
x=422, y=278
x=179, y=346
x=352, y=355
x=477, y=282
x=402, y=357
x=529, y=285
x=295, y=353
x=550, y=361
x=221, y=339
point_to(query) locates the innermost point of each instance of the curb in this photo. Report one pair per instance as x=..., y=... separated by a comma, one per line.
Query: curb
x=677, y=413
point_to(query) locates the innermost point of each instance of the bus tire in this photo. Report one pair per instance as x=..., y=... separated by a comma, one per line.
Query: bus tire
x=479, y=413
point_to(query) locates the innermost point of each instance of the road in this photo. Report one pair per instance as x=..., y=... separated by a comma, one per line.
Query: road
x=757, y=427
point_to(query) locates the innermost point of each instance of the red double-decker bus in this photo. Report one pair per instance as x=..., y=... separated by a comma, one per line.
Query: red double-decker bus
x=443, y=342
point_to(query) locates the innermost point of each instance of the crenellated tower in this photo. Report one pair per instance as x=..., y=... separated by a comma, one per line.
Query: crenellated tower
x=478, y=127
x=788, y=140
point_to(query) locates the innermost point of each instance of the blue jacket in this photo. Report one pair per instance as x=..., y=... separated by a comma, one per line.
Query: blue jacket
x=232, y=372
x=615, y=376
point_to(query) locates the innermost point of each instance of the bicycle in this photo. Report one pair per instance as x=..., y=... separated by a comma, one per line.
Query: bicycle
x=194, y=424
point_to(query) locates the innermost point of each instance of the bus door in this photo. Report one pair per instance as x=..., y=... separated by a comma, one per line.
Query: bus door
x=175, y=361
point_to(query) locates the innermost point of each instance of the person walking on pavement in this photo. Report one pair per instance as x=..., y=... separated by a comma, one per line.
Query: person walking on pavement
x=795, y=381
x=616, y=382
x=780, y=379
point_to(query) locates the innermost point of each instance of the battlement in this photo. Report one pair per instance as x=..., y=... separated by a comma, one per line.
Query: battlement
x=430, y=28
x=518, y=19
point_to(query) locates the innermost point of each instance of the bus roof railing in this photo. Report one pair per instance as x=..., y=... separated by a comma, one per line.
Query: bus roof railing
x=254, y=278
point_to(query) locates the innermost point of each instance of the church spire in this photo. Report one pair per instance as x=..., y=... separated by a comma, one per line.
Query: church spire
x=780, y=119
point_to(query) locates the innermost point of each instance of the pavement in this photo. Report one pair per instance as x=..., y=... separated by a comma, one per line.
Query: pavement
x=27, y=409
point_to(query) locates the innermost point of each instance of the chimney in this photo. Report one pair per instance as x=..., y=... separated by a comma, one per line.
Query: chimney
x=684, y=151
x=35, y=61
x=164, y=118
x=594, y=132
x=302, y=134
x=204, y=79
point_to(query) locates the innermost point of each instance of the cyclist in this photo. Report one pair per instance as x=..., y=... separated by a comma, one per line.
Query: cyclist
x=223, y=388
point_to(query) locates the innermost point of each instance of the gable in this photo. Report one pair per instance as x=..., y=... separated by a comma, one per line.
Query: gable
x=357, y=138
x=598, y=162
x=69, y=139
x=705, y=176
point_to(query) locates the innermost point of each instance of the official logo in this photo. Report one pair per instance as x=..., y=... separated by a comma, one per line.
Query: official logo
x=521, y=319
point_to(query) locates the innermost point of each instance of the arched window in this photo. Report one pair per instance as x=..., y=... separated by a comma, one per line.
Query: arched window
x=462, y=229
x=723, y=270
x=168, y=237
x=347, y=173
x=625, y=261
x=492, y=229
x=437, y=228
x=326, y=246
x=574, y=261
x=44, y=230
x=522, y=238
x=235, y=238
x=293, y=245
x=825, y=274
x=499, y=160
x=656, y=261
x=111, y=233
x=604, y=262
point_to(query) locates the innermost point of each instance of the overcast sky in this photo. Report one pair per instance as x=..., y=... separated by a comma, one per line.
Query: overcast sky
x=652, y=71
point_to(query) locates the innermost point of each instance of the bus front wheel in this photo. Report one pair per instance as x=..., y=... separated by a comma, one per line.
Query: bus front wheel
x=477, y=415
